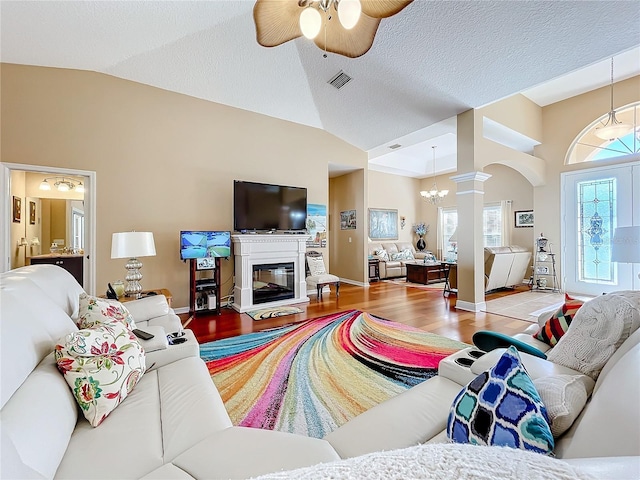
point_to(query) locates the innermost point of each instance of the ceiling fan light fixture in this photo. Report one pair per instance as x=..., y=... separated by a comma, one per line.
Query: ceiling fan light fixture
x=310, y=22
x=348, y=26
x=349, y=13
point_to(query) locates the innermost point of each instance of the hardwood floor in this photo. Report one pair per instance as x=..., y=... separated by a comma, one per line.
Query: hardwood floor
x=424, y=309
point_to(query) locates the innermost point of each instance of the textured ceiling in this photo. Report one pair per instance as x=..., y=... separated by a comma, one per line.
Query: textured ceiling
x=430, y=62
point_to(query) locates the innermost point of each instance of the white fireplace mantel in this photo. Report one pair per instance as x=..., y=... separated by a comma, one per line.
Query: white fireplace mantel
x=257, y=249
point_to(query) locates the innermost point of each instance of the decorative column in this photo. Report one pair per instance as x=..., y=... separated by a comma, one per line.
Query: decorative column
x=470, y=263
x=470, y=206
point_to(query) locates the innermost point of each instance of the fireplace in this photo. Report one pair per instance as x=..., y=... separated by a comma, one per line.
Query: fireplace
x=269, y=270
x=273, y=282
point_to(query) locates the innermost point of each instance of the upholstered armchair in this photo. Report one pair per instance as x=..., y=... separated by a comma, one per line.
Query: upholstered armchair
x=317, y=276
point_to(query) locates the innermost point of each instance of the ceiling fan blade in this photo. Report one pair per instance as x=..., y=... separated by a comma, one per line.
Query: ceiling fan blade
x=350, y=43
x=277, y=21
x=383, y=8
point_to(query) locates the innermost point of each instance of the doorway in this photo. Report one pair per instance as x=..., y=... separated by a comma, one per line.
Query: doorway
x=594, y=203
x=88, y=217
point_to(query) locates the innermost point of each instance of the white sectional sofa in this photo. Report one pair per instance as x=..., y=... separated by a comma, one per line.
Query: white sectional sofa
x=174, y=424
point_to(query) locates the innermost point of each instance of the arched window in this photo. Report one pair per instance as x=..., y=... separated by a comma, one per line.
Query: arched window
x=588, y=147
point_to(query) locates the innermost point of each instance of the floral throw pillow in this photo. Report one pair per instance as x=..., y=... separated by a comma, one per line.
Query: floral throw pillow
x=381, y=255
x=501, y=407
x=97, y=311
x=558, y=324
x=101, y=365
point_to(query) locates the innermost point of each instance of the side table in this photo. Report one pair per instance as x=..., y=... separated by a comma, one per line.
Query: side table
x=374, y=270
x=145, y=293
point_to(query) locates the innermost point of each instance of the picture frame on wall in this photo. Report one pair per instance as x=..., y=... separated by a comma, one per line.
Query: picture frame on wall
x=17, y=209
x=348, y=220
x=32, y=213
x=383, y=224
x=524, y=218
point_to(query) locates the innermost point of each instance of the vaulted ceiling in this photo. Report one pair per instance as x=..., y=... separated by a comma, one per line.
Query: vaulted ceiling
x=428, y=63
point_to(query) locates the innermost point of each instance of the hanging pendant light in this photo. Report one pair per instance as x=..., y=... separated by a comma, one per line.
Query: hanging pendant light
x=613, y=128
x=434, y=196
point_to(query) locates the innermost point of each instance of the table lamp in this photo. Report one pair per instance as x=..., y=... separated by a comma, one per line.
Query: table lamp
x=132, y=245
x=625, y=245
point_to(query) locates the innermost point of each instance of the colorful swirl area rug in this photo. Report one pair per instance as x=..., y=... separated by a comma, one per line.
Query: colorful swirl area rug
x=309, y=378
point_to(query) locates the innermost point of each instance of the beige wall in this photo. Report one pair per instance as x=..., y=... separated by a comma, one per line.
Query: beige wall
x=399, y=193
x=163, y=161
x=346, y=192
x=505, y=184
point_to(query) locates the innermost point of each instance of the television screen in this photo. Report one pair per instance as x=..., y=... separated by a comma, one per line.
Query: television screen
x=261, y=206
x=199, y=244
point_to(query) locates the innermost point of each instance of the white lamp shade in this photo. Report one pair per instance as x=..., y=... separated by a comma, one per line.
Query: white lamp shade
x=625, y=246
x=44, y=185
x=310, y=22
x=613, y=131
x=132, y=245
x=349, y=13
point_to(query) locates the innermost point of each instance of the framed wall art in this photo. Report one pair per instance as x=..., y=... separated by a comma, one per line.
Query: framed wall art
x=17, y=208
x=383, y=224
x=524, y=218
x=32, y=213
x=348, y=220
x=317, y=225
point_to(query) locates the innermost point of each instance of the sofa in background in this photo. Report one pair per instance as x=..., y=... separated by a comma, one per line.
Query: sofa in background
x=504, y=267
x=393, y=257
x=173, y=424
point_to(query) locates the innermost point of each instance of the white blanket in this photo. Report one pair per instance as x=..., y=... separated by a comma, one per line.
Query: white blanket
x=440, y=462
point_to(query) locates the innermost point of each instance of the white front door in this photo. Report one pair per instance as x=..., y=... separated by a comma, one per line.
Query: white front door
x=594, y=203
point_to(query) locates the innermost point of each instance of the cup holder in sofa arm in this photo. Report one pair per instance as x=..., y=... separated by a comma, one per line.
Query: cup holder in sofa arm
x=464, y=362
x=488, y=341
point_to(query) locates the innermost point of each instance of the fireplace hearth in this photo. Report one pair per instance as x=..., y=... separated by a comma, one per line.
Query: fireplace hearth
x=273, y=282
x=269, y=270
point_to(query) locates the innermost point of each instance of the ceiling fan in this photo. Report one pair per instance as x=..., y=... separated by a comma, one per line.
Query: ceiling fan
x=345, y=27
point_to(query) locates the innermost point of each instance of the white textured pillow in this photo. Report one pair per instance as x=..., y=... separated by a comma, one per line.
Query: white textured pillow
x=97, y=311
x=564, y=396
x=598, y=328
x=316, y=266
x=101, y=365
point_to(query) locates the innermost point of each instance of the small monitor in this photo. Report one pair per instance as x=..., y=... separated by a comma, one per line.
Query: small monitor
x=204, y=244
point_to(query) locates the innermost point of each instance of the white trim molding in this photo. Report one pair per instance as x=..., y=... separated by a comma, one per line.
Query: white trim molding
x=471, y=177
x=471, y=307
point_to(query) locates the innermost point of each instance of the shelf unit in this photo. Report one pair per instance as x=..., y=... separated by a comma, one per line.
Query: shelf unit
x=544, y=276
x=204, y=288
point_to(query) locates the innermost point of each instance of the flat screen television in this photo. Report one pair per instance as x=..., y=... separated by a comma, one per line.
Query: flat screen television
x=204, y=244
x=261, y=206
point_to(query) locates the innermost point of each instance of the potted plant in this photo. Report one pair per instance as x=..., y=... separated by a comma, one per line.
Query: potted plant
x=421, y=229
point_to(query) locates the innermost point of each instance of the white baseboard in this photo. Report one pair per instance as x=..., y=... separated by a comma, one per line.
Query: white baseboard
x=470, y=306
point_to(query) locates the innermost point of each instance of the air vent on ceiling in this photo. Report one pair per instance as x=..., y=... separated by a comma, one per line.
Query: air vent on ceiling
x=394, y=146
x=340, y=80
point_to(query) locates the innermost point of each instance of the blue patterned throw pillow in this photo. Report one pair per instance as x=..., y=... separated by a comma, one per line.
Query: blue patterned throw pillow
x=501, y=407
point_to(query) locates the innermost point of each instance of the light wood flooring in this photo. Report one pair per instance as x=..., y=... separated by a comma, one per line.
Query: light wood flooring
x=424, y=309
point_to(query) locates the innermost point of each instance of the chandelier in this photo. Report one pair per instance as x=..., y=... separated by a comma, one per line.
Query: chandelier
x=62, y=184
x=434, y=196
x=613, y=128
x=278, y=21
